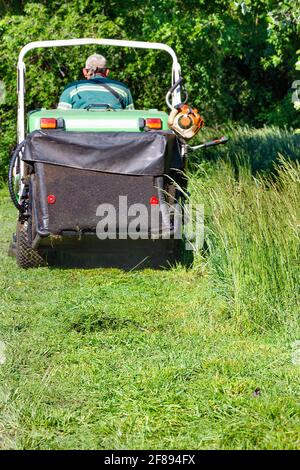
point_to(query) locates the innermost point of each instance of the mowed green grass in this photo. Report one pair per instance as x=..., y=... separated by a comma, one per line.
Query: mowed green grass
x=170, y=359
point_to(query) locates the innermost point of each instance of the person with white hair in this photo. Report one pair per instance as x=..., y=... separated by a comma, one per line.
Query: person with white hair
x=96, y=90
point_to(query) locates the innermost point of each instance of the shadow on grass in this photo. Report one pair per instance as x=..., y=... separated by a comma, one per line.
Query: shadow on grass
x=92, y=324
x=127, y=255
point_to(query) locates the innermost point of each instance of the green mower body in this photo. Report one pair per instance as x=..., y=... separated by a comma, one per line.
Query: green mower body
x=96, y=120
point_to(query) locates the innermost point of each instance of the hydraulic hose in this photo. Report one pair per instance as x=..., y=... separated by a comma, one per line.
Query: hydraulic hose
x=11, y=167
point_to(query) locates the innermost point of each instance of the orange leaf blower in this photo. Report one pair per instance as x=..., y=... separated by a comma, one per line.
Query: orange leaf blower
x=185, y=121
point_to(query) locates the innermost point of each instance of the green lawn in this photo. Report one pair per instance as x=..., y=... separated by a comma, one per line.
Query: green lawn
x=170, y=359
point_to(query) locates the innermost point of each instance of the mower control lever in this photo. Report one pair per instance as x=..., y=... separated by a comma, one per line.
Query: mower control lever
x=211, y=143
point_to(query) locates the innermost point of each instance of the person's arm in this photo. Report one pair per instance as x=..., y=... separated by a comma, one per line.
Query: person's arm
x=128, y=100
x=65, y=100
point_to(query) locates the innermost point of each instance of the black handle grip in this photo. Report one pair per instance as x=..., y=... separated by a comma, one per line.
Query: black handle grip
x=222, y=140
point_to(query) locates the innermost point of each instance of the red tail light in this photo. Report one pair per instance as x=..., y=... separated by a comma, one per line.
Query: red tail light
x=154, y=201
x=51, y=199
x=48, y=123
x=153, y=123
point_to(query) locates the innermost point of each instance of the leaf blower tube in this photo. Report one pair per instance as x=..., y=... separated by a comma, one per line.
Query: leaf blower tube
x=11, y=168
x=211, y=143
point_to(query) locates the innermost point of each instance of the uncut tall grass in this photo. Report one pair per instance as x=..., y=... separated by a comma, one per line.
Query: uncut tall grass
x=251, y=240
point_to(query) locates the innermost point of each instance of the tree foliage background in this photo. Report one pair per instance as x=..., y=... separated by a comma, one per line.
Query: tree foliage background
x=237, y=57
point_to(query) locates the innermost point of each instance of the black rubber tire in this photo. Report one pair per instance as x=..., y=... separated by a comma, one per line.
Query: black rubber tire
x=26, y=256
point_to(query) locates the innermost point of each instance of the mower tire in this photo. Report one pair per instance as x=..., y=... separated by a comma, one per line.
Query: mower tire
x=26, y=256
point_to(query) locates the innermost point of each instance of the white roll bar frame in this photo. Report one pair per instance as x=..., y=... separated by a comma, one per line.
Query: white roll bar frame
x=176, y=96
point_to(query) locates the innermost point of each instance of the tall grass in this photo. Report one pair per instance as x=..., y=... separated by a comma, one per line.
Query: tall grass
x=260, y=147
x=252, y=239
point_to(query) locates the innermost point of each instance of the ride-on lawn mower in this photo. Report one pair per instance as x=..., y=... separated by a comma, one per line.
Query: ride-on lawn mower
x=72, y=167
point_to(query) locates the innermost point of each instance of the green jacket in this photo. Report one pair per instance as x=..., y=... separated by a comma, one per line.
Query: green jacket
x=82, y=93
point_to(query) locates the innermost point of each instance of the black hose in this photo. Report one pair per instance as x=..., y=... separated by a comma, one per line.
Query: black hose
x=11, y=189
x=178, y=82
